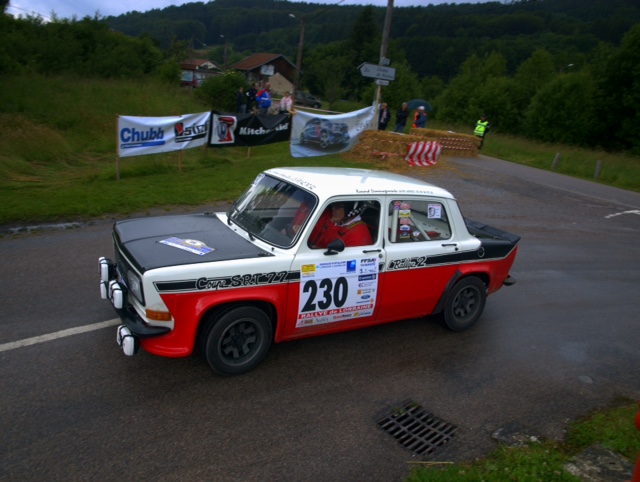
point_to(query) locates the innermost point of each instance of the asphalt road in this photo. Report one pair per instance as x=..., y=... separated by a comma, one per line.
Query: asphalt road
x=562, y=341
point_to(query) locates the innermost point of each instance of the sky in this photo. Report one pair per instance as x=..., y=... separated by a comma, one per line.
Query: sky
x=83, y=8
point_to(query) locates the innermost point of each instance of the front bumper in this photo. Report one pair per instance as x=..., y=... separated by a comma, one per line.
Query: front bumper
x=117, y=293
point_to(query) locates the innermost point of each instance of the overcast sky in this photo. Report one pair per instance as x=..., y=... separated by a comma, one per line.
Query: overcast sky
x=83, y=8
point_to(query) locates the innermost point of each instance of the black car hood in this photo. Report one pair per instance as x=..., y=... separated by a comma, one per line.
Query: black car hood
x=139, y=240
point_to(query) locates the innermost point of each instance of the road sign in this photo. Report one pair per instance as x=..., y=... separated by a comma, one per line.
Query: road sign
x=377, y=71
x=382, y=82
x=385, y=61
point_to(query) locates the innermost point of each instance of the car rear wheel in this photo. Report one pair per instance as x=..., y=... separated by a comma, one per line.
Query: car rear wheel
x=465, y=304
x=238, y=340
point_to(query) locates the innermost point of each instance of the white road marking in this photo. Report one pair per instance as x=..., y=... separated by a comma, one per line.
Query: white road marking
x=59, y=334
x=635, y=211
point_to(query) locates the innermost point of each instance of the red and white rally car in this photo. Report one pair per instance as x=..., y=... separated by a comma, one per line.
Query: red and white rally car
x=303, y=252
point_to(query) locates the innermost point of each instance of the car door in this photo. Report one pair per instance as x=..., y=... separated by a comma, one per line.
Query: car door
x=422, y=255
x=337, y=290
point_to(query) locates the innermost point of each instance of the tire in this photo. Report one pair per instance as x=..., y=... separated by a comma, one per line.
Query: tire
x=324, y=139
x=465, y=304
x=238, y=340
x=316, y=106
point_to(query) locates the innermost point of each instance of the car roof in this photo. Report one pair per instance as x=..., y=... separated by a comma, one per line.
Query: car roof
x=327, y=182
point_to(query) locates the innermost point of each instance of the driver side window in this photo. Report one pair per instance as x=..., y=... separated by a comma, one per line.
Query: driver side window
x=355, y=222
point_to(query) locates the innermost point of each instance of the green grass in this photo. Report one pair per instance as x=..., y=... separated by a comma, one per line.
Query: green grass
x=612, y=427
x=58, y=153
x=619, y=170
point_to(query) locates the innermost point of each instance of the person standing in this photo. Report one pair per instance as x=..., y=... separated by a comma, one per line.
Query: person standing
x=420, y=119
x=251, y=97
x=482, y=127
x=401, y=118
x=286, y=103
x=240, y=101
x=263, y=98
x=384, y=117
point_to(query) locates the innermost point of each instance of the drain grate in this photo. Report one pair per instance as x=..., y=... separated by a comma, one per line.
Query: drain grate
x=415, y=428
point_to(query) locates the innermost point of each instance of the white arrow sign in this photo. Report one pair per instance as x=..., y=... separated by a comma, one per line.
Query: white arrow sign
x=377, y=71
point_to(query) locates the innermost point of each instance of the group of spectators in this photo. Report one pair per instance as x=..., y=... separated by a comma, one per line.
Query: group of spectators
x=402, y=116
x=420, y=121
x=261, y=100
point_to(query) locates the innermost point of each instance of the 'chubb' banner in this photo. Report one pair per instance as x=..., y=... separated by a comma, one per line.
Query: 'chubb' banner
x=317, y=135
x=138, y=136
x=229, y=130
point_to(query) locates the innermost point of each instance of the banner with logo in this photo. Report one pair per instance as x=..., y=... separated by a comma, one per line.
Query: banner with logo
x=138, y=136
x=318, y=135
x=232, y=130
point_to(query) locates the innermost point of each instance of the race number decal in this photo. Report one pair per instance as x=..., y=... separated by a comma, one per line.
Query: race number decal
x=337, y=291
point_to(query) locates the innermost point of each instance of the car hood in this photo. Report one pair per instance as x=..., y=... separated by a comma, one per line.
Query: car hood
x=140, y=241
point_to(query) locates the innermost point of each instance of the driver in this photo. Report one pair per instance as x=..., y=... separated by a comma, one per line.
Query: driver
x=341, y=220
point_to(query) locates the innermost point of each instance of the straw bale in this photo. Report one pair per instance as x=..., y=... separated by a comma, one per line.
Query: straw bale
x=387, y=150
x=390, y=148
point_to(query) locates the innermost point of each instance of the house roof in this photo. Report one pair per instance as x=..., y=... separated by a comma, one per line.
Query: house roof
x=257, y=60
x=195, y=64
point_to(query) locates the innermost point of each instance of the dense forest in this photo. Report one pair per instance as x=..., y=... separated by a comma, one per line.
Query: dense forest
x=553, y=70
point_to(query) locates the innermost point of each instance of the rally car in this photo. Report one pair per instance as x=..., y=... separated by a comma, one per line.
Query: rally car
x=325, y=133
x=231, y=284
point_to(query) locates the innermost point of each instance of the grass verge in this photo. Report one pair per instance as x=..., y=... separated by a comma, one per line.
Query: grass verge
x=612, y=427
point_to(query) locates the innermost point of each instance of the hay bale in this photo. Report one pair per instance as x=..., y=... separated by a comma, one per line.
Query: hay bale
x=452, y=143
x=385, y=146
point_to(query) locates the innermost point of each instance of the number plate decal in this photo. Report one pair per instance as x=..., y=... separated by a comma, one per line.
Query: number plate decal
x=337, y=291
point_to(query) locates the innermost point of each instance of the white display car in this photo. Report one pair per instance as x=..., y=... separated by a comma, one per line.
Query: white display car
x=303, y=252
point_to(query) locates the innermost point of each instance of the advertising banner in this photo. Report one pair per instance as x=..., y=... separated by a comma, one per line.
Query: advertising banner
x=138, y=136
x=318, y=135
x=233, y=130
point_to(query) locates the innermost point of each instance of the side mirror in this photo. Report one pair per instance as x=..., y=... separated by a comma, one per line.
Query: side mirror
x=336, y=246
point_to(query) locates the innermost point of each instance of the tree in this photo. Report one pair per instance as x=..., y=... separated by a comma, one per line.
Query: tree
x=563, y=111
x=620, y=94
x=219, y=92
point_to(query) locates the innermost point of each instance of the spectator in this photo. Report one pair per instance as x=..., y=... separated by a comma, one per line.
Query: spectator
x=241, y=106
x=263, y=98
x=401, y=118
x=251, y=98
x=420, y=119
x=286, y=103
x=384, y=117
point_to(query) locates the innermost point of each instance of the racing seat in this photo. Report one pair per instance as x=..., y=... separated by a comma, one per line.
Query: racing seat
x=371, y=217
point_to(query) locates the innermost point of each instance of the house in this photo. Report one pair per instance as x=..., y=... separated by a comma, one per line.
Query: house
x=194, y=71
x=272, y=68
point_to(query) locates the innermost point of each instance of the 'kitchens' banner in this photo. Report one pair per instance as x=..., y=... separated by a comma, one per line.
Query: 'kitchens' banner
x=138, y=136
x=229, y=130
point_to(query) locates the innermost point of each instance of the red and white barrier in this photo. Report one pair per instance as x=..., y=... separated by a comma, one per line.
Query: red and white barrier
x=423, y=153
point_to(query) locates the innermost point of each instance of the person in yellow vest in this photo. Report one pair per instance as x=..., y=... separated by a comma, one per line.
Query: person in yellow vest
x=482, y=127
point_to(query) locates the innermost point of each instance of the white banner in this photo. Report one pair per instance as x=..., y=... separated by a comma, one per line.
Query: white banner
x=318, y=135
x=138, y=136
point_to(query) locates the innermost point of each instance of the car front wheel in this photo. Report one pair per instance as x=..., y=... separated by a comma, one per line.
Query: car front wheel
x=465, y=303
x=324, y=140
x=238, y=340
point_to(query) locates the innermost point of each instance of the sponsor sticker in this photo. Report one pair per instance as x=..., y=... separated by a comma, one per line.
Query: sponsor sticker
x=192, y=245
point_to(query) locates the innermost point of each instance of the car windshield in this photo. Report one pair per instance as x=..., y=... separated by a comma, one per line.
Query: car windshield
x=273, y=210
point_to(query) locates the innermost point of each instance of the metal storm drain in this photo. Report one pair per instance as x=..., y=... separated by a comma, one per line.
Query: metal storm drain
x=415, y=428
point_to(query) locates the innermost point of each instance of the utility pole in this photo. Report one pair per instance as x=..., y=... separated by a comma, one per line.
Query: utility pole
x=383, y=53
x=296, y=77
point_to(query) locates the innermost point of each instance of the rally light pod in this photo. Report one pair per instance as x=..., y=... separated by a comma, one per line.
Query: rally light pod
x=128, y=342
x=106, y=269
x=117, y=297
